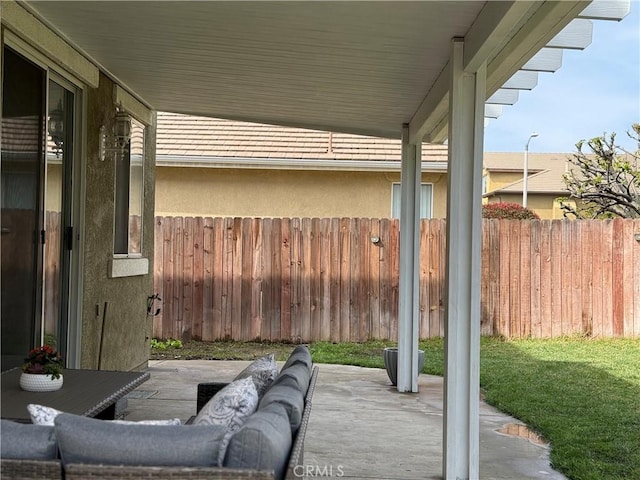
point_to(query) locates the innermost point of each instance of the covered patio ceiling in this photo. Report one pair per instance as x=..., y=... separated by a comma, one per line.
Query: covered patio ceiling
x=356, y=67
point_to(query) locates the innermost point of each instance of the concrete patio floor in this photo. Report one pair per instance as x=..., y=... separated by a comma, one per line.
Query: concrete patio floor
x=360, y=426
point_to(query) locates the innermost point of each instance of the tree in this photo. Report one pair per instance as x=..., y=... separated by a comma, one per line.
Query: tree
x=604, y=183
x=512, y=211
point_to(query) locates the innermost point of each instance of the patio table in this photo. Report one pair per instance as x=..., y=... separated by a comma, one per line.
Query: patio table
x=92, y=393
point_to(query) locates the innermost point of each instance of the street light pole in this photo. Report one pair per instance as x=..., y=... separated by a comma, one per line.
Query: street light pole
x=525, y=177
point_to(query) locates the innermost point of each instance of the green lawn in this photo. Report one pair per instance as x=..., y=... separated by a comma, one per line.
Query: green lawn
x=582, y=395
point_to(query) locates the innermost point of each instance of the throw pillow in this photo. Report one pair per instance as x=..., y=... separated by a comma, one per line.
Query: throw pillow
x=230, y=407
x=26, y=441
x=88, y=440
x=263, y=371
x=43, y=415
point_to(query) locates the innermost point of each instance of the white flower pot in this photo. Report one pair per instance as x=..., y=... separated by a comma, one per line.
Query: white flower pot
x=35, y=382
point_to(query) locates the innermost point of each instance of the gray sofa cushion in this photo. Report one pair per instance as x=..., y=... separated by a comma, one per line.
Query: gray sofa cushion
x=299, y=373
x=26, y=441
x=285, y=391
x=263, y=443
x=300, y=354
x=263, y=371
x=87, y=440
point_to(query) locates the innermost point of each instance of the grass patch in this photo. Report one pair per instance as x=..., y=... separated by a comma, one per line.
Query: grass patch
x=582, y=395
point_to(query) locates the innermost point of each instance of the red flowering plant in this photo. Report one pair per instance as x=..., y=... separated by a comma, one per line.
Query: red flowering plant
x=43, y=360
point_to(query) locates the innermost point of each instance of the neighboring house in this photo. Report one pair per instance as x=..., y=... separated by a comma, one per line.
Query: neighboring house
x=214, y=167
x=503, y=182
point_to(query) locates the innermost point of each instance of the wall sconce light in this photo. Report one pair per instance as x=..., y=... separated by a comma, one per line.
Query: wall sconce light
x=116, y=141
x=56, y=128
x=637, y=237
x=376, y=240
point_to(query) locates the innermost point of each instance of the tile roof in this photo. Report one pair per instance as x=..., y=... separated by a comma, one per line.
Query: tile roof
x=191, y=136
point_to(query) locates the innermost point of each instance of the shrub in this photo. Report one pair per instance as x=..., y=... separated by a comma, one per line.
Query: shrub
x=511, y=211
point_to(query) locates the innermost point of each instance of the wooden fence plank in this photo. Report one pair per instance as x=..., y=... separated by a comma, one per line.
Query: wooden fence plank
x=209, y=333
x=607, y=277
x=273, y=277
x=354, y=278
x=617, y=264
x=394, y=275
x=198, y=277
x=492, y=227
x=218, y=269
x=345, y=279
x=285, y=262
x=545, y=281
x=254, y=227
x=364, y=319
x=385, y=278
x=556, y=278
x=325, y=278
x=586, y=243
x=566, y=281
x=629, y=244
x=636, y=280
x=305, y=280
x=505, y=279
x=576, y=277
x=435, y=278
x=178, y=285
x=424, y=330
x=246, y=281
x=534, y=322
x=315, y=279
x=596, y=277
x=525, y=279
x=296, y=280
x=335, y=235
x=374, y=281
x=515, y=279
x=187, y=278
x=158, y=270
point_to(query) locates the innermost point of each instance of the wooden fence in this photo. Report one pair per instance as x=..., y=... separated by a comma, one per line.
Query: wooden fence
x=304, y=279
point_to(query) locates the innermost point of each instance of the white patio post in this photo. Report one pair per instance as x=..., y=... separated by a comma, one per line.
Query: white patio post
x=407, y=377
x=462, y=302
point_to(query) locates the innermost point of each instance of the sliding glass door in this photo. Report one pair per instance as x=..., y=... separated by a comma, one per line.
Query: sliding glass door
x=36, y=170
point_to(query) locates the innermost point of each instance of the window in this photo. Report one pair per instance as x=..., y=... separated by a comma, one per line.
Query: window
x=129, y=195
x=426, y=195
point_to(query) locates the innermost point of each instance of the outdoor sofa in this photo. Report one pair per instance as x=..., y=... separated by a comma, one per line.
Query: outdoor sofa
x=268, y=445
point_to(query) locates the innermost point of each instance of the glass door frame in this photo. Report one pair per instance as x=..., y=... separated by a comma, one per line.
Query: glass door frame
x=74, y=196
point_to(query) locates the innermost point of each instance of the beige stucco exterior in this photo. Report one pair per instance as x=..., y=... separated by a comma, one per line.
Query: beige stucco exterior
x=193, y=191
x=127, y=327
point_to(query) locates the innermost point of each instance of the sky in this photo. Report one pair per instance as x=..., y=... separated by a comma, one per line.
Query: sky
x=595, y=91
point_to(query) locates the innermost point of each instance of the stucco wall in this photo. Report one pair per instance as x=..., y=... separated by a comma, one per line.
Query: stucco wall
x=125, y=345
x=188, y=191
x=497, y=180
